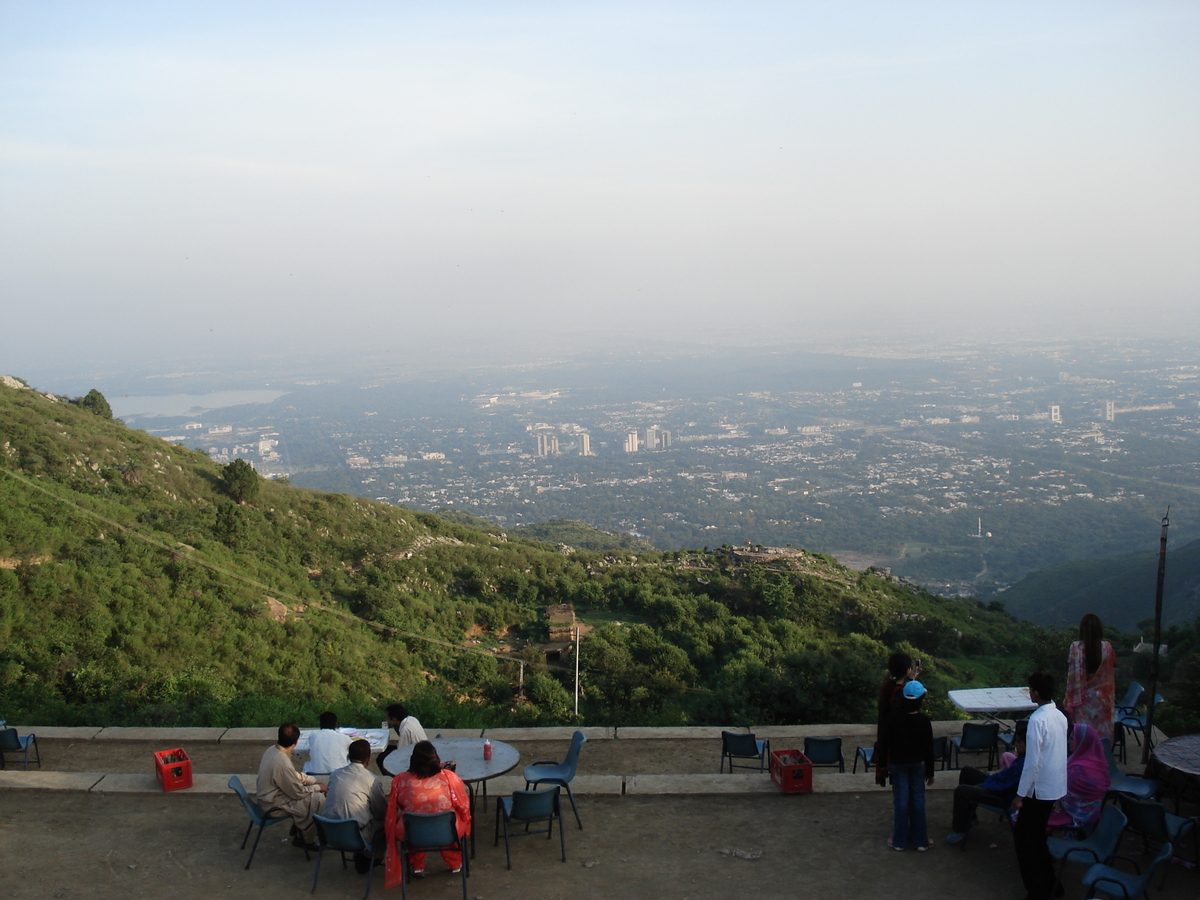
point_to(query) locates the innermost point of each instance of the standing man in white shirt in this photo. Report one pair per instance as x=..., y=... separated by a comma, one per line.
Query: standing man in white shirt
x=408, y=732
x=1043, y=780
x=327, y=747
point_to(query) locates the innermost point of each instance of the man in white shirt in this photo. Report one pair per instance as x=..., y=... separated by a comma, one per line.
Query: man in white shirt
x=1043, y=780
x=408, y=732
x=327, y=747
x=354, y=793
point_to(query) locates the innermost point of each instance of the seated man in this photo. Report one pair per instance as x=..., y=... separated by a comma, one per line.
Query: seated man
x=408, y=732
x=354, y=793
x=327, y=747
x=281, y=787
x=976, y=786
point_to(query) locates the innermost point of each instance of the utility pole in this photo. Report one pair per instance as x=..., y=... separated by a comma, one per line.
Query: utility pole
x=576, y=670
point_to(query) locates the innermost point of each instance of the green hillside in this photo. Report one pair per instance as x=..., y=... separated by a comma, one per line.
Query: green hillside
x=1119, y=589
x=134, y=588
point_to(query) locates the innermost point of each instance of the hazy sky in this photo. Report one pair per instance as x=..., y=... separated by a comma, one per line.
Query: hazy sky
x=200, y=177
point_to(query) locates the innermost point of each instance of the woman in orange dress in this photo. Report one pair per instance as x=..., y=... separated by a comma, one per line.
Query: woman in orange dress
x=425, y=788
x=1091, y=681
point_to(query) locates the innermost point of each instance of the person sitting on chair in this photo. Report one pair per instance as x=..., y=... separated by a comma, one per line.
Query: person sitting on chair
x=427, y=787
x=354, y=793
x=327, y=747
x=408, y=731
x=281, y=787
x=976, y=786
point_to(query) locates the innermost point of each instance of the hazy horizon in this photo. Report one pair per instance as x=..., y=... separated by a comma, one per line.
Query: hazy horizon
x=262, y=181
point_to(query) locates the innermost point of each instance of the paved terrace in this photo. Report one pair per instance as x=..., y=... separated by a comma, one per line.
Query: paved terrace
x=658, y=822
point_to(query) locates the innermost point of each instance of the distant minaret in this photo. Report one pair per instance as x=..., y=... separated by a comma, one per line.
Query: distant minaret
x=980, y=534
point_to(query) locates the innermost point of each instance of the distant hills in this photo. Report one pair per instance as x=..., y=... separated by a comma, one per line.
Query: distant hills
x=1119, y=589
x=142, y=583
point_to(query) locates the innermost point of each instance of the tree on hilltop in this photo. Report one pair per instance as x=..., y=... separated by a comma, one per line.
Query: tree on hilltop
x=94, y=401
x=240, y=481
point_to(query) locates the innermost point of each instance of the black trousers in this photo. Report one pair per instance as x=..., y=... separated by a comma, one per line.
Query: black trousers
x=968, y=794
x=1033, y=856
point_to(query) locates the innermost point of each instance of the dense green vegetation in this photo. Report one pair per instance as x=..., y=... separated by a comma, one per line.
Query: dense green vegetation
x=143, y=583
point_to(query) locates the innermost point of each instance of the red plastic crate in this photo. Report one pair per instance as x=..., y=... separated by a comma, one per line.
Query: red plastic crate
x=791, y=771
x=173, y=769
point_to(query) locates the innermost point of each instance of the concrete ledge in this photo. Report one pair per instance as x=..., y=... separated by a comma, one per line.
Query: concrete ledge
x=457, y=732
x=693, y=732
x=58, y=732
x=581, y=785
x=171, y=737
x=251, y=735
x=786, y=732
x=49, y=781
x=218, y=784
x=699, y=784
x=130, y=784
x=597, y=733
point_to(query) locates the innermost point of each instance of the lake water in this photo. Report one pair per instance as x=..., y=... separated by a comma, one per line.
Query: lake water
x=134, y=406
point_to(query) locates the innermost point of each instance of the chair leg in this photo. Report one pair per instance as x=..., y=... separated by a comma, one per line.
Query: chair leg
x=562, y=837
x=255, y=847
x=317, y=870
x=571, y=797
x=466, y=866
x=247, y=835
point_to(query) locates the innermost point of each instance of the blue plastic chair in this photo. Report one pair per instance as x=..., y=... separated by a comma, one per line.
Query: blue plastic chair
x=432, y=831
x=1152, y=821
x=1120, y=885
x=941, y=751
x=822, y=751
x=345, y=836
x=11, y=742
x=551, y=772
x=526, y=807
x=1136, y=725
x=1131, y=701
x=1098, y=847
x=257, y=816
x=1120, y=783
x=977, y=737
x=867, y=755
x=736, y=745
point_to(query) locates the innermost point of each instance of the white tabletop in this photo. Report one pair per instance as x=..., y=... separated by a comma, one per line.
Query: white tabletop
x=376, y=737
x=993, y=700
x=467, y=753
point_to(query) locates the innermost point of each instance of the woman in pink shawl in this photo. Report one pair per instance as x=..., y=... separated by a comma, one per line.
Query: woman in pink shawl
x=425, y=788
x=1091, y=682
x=1087, y=782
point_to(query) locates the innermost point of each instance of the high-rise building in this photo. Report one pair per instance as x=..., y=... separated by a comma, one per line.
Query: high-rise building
x=651, y=438
x=547, y=444
x=664, y=440
x=585, y=445
x=1056, y=413
x=631, y=442
x=1110, y=411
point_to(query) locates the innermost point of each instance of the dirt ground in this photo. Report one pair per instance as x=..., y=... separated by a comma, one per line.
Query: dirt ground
x=98, y=845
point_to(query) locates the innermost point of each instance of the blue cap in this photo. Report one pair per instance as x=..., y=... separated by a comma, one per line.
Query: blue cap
x=914, y=690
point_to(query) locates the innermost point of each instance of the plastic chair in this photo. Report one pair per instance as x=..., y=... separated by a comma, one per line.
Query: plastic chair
x=825, y=752
x=735, y=745
x=1001, y=814
x=526, y=807
x=1120, y=783
x=867, y=755
x=1121, y=885
x=1100, y=846
x=257, y=816
x=1131, y=701
x=431, y=831
x=550, y=772
x=977, y=737
x=1136, y=725
x=11, y=742
x=1154, y=823
x=345, y=836
x=941, y=751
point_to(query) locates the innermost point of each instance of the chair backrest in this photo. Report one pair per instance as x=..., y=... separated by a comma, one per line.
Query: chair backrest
x=1113, y=769
x=979, y=736
x=1145, y=816
x=533, y=805
x=822, y=751
x=572, y=758
x=736, y=744
x=428, y=830
x=252, y=809
x=9, y=742
x=1133, y=696
x=340, y=834
x=1108, y=832
x=940, y=746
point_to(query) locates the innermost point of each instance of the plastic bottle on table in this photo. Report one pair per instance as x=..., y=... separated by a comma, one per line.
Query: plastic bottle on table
x=487, y=749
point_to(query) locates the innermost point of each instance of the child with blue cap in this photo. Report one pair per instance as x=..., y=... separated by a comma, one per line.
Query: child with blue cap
x=908, y=738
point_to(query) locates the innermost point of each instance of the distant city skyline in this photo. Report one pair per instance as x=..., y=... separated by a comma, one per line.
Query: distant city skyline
x=222, y=180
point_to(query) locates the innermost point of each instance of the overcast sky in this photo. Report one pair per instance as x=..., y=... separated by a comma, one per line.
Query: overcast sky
x=200, y=177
